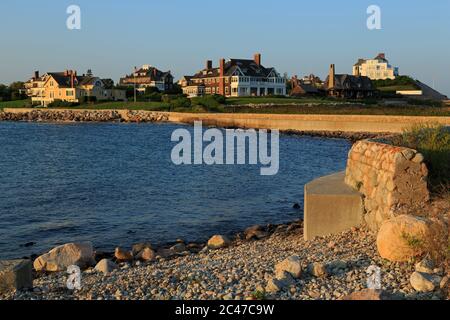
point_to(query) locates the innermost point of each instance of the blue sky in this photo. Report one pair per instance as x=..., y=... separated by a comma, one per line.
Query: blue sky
x=297, y=37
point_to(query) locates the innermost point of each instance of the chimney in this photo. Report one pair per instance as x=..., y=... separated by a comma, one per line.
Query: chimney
x=72, y=80
x=257, y=58
x=222, y=67
x=222, y=79
x=208, y=64
x=36, y=75
x=155, y=72
x=331, y=82
x=382, y=56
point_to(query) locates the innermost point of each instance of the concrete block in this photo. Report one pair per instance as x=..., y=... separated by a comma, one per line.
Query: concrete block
x=15, y=275
x=331, y=206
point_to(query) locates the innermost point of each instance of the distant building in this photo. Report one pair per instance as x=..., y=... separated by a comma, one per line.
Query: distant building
x=149, y=77
x=348, y=86
x=376, y=69
x=35, y=86
x=313, y=80
x=70, y=87
x=303, y=87
x=235, y=78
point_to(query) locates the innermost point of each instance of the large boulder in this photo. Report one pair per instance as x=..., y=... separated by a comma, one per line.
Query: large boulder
x=15, y=275
x=218, y=241
x=137, y=248
x=106, y=266
x=147, y=254
x=123, y=255
x=291, y=265
x=424, y=282
x=403, y=237
x=58, y=259
x=317, y=269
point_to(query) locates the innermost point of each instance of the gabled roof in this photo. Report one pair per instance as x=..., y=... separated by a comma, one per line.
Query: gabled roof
x=349, y=82
x=302, y=88
x=245, y=67
x=153, y=73
x=64, y=81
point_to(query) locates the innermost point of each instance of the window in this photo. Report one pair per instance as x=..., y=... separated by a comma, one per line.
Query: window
x=69, y=93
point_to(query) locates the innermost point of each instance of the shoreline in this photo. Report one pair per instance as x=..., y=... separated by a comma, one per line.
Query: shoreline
x=241, y=271
x=234, y=236
x=64, y=116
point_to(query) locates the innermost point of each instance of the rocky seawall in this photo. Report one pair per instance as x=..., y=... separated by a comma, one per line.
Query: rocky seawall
x=40, y=115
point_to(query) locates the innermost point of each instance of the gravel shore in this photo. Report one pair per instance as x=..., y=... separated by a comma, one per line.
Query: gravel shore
x=241, y=272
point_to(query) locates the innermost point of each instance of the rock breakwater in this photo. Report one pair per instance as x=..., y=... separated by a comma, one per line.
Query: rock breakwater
x=40, y=115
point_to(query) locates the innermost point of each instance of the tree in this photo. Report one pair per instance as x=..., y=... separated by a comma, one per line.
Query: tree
x=17, y=91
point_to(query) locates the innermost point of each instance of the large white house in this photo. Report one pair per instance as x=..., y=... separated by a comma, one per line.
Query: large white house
x=376, y=69
x=235, y=78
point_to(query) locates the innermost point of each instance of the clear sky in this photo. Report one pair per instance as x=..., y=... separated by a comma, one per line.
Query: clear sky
x=294, y=36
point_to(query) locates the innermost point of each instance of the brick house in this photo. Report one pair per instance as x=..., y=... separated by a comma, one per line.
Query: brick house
x=235, y=78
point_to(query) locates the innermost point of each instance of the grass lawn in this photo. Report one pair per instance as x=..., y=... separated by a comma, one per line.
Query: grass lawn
x=348, y=109
x=397, y=88
x=14, y=104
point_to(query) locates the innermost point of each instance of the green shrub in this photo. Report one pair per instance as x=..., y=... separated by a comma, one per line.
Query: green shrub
x=433, y=141
x=89, y=99
x=62, y=104
x=398, y=81
x=210, y=102
x=180, y=103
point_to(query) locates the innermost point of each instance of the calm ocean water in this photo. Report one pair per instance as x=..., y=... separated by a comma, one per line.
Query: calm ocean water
x=115, y=184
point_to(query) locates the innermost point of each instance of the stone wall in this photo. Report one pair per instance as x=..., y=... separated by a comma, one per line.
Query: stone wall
x=393, y=180
x=285, y=122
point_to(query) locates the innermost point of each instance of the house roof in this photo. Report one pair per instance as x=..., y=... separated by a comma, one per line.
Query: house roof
x=349, y=82
x=153, y=73
x=65, y=81
x=302, y=88
x=360, y=62
x=247, y=67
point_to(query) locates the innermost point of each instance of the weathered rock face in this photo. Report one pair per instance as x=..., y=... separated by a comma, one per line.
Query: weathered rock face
x=392, y=179
x=403, y=237
x=291, y=265
x=55, y=115
x=15, y=275
x=59, y=258
x=105, y=266
x=218, y=241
